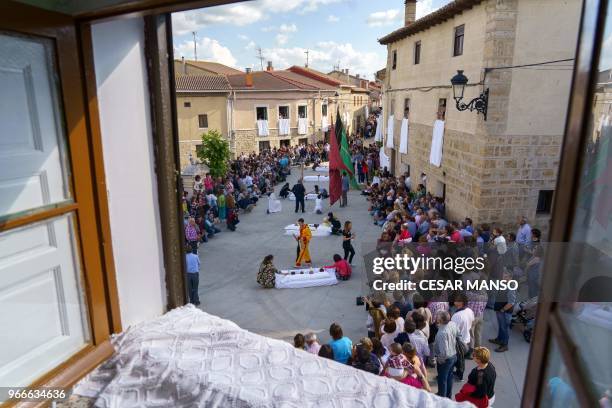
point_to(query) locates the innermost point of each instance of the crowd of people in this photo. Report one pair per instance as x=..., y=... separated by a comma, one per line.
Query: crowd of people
x=407, y=331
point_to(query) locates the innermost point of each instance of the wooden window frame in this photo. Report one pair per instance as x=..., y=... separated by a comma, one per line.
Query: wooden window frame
x=205, y=115
x=91, y=226
x=267, y=112
x=549, y=322
x=288, y=110
x=417, y=53
x=456, y=37
x=305, y=106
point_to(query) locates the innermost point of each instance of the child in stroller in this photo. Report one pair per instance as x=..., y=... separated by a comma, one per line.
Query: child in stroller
x=525, y=316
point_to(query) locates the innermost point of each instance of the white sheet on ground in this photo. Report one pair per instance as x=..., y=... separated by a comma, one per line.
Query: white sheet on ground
x=318, y=231
x=302, y=126
x=311, y=196
x=189, y=358
x=305, y=278
x=390, y=130
x=404, y=136
x=437, y=141
x=283, y=127
x=262, y=128
x=318, y=178
x=274, y=204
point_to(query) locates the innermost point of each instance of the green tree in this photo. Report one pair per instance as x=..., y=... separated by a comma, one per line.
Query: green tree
x=214, y=152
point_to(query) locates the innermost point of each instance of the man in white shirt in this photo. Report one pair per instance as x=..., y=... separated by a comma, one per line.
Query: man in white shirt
x=463, y=318
x=499, y=241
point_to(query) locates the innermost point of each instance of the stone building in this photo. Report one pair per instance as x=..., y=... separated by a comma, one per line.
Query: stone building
x=497, y=169
x=252, y=110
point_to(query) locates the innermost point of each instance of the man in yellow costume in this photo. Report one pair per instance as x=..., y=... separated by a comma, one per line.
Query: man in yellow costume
x=303, y=254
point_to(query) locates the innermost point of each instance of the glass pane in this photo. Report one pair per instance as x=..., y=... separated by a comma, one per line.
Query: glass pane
x=586, y=290
x=558, y=391
x=43, y=316
x=33, y=169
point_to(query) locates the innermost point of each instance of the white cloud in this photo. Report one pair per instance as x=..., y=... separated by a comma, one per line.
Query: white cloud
x=208, y=50
x=243, y=37
x=287, y=28
x=332, y=19
x=281, y=39
x=425, y=7
x=384, y=18
x=241, y=14
x=324, y=56
x=250, y=46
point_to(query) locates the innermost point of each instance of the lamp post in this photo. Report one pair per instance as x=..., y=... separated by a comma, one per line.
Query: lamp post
x=479, y=104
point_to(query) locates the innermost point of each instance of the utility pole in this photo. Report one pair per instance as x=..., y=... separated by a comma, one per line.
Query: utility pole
x=260, y=57
x=307, y=52
x=195, y=46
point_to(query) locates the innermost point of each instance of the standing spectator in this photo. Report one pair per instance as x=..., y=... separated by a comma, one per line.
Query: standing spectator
x=347, y=245
x=477, y=301
x=299, y=191
x=523, y=234
x=463, y=318
x=345, y=189
x=326, y=351
x=342, y=346
x=312, y=344
x=299, y=342
x=533, y=268
x=192, y=235
x=193, y=275
x=504, y=305
x=445, y=352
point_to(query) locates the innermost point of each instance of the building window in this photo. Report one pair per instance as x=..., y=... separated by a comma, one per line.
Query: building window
x=406, y=107
x=285, y=142
x=302, y=111
x=187, y=104
x=458, y=44
x=394, y=60
x=283, y=112
x=324, y=110
x=545, y=199
x=417, y=52
x=203, y=121
x=262, y=113
x=442, y=109
x=265, y=145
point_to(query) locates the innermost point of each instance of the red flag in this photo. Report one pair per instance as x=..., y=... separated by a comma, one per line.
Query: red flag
x=335, y=166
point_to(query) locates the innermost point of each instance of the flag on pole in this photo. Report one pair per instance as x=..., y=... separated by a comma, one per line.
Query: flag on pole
x=336, y=165
x=345, y=152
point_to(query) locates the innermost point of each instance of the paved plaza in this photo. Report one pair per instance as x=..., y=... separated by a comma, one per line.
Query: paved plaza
x=228, y=286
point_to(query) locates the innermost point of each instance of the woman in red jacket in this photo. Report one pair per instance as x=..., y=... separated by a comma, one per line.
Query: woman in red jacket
x=343, y=268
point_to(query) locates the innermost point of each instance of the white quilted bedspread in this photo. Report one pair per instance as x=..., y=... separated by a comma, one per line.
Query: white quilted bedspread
x=188, y=358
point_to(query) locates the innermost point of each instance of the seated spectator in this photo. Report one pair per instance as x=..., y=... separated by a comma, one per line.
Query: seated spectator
x=336, y=226
x=299, y=342
x=326, y=351
x=284, y=193
x=266, y=276
x=312, y=344
x=342, y=346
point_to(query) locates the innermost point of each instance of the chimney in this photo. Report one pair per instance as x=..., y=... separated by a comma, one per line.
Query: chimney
x=248, y=79
x=270, y=67
x=410, y=12
x=184, y=66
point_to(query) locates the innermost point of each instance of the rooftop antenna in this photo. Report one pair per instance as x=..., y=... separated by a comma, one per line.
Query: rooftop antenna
x=307, y=52
x=195, y=46
x=260, y=57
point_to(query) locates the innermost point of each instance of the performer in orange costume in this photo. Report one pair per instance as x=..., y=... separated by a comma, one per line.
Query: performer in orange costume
x=303, y=254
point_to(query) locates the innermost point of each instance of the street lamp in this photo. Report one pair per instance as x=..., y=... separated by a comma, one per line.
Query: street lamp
x=479, y=104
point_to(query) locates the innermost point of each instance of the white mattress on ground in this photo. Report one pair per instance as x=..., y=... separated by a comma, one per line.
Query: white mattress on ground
x=322, y=169
x=188, y=358
x=311, y=196
x=319, y=178
x=305, y=278
x=320, y=231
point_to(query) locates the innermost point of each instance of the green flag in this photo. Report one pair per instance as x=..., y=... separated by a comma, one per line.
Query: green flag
x=345, y=152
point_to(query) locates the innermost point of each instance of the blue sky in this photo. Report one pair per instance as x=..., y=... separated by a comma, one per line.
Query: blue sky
x=336, y=32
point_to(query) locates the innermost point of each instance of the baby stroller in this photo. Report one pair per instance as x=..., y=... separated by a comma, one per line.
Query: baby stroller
x=525, y=316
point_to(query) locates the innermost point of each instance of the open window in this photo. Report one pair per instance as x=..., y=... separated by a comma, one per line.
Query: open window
x=261, y=112
x=283, y=111
x=302, y=111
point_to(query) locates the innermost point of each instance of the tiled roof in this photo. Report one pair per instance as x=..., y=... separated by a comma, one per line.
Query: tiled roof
x=303, y=81
x=202, y=83
x=314, y=74
x=439, y=16
x=213, y=67
x=262, y=81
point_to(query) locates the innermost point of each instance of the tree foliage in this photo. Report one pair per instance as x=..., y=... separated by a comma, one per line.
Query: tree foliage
x=215, y=153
